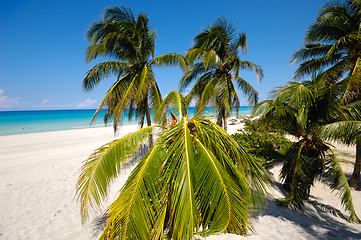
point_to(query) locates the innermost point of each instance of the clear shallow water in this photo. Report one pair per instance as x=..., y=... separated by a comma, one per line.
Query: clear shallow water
x=21, y=122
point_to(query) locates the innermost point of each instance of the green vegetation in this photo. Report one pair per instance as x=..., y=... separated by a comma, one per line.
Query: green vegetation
x=130, y=42
x=254, y=126
x=215, y=65
x=302, y=109
x=263, y=145
x=195, y=180
x=333, y=43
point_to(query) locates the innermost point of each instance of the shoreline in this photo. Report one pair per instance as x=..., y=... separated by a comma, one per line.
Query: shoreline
x=18, y=123
x=39, y=171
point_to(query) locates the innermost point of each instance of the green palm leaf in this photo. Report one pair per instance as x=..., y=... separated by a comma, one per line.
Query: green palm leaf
x=298, y=179
x=226, y=202
x=128, y=95
x=132, y=214
x=112, y=96
x=179, y=166
x=247, y=90
x=101, y=71
x=155, y=97
x=142, y=84
x=338, y=180
x=332, y=44
x=210, y=58
x=214, y=57
x=250, y=66
x=227, y=150
x=193, y=54
x=130, y=41
x=177, y=104
x=170, y=59
x=195, y=180
x=103, y=166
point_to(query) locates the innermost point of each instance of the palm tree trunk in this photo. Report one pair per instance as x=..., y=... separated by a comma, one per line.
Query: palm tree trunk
x=149, y=123
x=225, y=123
x=219, y=119
x=355, y=178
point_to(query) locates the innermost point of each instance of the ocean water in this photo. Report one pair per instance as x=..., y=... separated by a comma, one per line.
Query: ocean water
x=22, y=122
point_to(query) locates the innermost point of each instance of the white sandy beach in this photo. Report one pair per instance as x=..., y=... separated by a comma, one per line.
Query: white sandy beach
x=39, y=171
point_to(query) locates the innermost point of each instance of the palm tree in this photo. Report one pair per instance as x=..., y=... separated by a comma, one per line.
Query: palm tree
x=195, y=180
x=130, y=42
x=333, y=43
x=302, y=109
x=347, y=131
x=215, y=66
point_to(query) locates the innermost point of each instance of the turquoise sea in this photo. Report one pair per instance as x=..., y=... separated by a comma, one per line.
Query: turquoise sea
x=21, y=122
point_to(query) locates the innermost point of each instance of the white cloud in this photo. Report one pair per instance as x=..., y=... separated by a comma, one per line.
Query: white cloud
x=86, y=103
x=45, y=103
x=6, y=102
x=49, y=104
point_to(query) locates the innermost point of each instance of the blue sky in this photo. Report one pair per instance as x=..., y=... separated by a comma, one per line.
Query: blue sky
x=42, y=46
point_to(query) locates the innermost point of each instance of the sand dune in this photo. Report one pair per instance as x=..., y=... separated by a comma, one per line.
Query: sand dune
x=39, y=171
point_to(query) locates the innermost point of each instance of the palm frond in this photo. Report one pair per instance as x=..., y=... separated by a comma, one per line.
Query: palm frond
x=170, y=59
x=226, y=203
x=179, y=164
x=155, y=97
x=345, y=132
x=209, y=90
x=210, y=58
x=119, y=13
x=193, y=55
x=142, y=84
x=177, y=104
x=297, y=181
x=132, y=214
x=250, y=66
x=352, y=84
x=103, y=166
x=239, y=43
x=112, y=97
x=247, y=90
x=222, y=145
x=338, y=180
x=102, y=71
x=191, y=74
x=128, y=94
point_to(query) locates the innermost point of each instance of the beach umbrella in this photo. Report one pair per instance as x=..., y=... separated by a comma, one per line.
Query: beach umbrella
x=233, y=120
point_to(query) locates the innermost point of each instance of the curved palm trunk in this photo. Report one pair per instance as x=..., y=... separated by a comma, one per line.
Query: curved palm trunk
x=221, y=118
x=149, y=123
x=355, y=178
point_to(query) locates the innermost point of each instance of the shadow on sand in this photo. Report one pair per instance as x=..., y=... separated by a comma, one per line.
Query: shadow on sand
x=319, y=220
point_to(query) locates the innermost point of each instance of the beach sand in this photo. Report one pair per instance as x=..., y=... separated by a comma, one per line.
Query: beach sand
x=39, y=171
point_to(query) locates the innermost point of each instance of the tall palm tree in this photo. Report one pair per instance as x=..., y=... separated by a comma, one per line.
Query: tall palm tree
x=195, y=180
x=302, y=109
x=215, y=66
x=333, y=43
x=130, y=42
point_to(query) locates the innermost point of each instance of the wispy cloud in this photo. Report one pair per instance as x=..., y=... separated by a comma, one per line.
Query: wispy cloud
x=6, y=102
x=86, y=103
x=45, y=103
x=49, y=104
